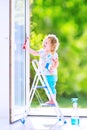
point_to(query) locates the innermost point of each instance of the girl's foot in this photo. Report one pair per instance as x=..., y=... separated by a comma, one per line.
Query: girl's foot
x=50, y=103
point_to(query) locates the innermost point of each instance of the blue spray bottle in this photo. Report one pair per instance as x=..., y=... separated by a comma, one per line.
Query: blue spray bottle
x=75, y=115
x=49, y=64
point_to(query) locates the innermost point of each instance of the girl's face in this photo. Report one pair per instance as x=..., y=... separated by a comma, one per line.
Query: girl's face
x=47, y=45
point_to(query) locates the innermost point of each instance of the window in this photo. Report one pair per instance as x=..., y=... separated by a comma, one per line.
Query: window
x=19, y=83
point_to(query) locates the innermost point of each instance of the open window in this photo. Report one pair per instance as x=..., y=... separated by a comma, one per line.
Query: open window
x=19, y=66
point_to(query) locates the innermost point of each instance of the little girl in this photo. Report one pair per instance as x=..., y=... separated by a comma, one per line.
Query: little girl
x=49, y=62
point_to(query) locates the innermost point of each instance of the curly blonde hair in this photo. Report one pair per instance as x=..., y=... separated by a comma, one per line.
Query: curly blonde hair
x=54, y=41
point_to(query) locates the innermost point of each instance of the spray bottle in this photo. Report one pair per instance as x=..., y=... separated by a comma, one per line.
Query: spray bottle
x=75, y=116
x=49, y=64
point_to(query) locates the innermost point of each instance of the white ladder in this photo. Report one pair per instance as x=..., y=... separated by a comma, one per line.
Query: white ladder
x=39, y=76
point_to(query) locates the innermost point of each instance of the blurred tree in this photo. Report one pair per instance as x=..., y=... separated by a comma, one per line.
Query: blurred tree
x=68, y=20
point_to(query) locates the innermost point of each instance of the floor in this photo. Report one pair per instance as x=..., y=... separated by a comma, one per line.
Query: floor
x=44, y=122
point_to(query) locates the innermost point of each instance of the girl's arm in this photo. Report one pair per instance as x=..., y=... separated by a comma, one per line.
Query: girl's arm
x=33, y=52
x=55, y=64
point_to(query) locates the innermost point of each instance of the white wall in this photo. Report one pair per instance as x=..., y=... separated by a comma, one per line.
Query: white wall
x=4, y=59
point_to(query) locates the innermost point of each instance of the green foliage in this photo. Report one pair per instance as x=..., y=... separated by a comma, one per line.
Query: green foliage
x=67, y=19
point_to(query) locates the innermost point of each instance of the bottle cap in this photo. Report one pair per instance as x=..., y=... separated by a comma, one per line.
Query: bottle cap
x=74, y=100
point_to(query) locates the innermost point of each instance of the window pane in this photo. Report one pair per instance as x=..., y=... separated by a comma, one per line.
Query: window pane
x=19, y=53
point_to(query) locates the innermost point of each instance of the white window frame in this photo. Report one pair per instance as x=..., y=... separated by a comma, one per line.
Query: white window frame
x=18, y=112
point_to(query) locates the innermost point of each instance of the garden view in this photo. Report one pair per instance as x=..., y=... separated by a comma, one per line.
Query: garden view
x=67, y=19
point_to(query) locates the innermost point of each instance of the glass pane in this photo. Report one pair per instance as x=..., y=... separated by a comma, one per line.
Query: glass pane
x=19, y=53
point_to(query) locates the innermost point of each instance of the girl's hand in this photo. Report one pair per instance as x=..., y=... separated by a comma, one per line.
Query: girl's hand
x=54, y=65
x=25, y=43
